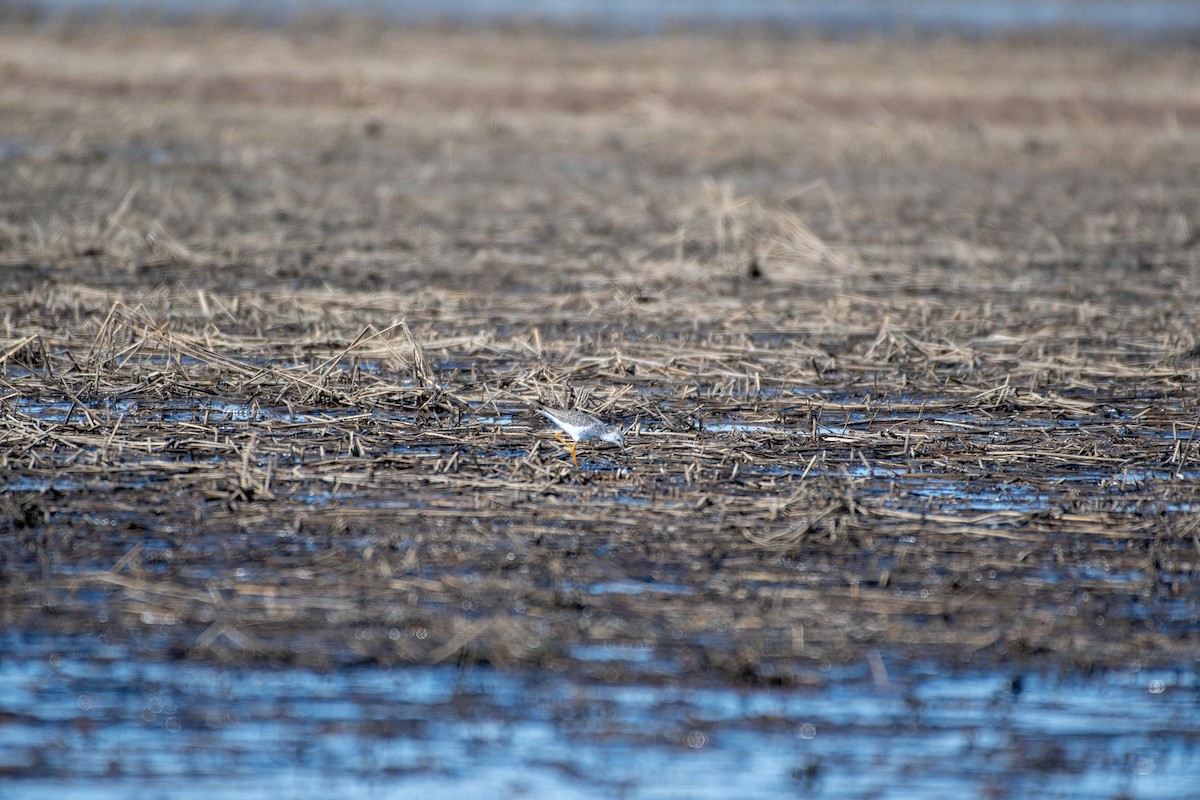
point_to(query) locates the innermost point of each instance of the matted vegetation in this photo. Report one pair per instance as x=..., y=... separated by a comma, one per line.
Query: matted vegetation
x=906, y=343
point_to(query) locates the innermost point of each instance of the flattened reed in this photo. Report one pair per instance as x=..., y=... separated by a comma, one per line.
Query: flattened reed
x=260, y=402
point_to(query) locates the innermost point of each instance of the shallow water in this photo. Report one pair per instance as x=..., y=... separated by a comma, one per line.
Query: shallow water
x=1173, y=18
x=79, y=718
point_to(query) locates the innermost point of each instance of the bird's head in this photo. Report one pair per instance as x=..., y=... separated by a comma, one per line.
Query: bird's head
x=615, y=436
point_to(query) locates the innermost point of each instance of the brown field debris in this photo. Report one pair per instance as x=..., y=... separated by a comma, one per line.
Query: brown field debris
x=905, y=335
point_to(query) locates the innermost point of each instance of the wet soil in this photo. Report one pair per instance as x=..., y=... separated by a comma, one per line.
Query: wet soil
x=904, y=334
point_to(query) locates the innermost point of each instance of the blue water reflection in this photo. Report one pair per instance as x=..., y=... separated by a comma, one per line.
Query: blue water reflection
x=1162, y=18
x=82, y=719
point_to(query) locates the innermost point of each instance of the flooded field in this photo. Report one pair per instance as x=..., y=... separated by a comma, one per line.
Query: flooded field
x=902, y=337
x=83, y=720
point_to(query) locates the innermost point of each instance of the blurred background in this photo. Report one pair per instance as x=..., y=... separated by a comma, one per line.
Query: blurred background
x=1156, y=18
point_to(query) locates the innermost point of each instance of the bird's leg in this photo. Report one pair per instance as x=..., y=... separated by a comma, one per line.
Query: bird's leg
x=570, y=445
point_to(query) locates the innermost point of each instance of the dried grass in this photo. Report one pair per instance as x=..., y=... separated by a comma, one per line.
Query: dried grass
x=272, y=393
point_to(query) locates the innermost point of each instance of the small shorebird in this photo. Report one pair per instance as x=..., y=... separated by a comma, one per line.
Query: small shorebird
x=580, y=427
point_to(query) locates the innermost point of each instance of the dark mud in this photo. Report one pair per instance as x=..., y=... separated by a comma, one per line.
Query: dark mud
x=903, y=336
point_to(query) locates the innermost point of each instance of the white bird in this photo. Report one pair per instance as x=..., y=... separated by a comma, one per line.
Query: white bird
x=581, y=427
